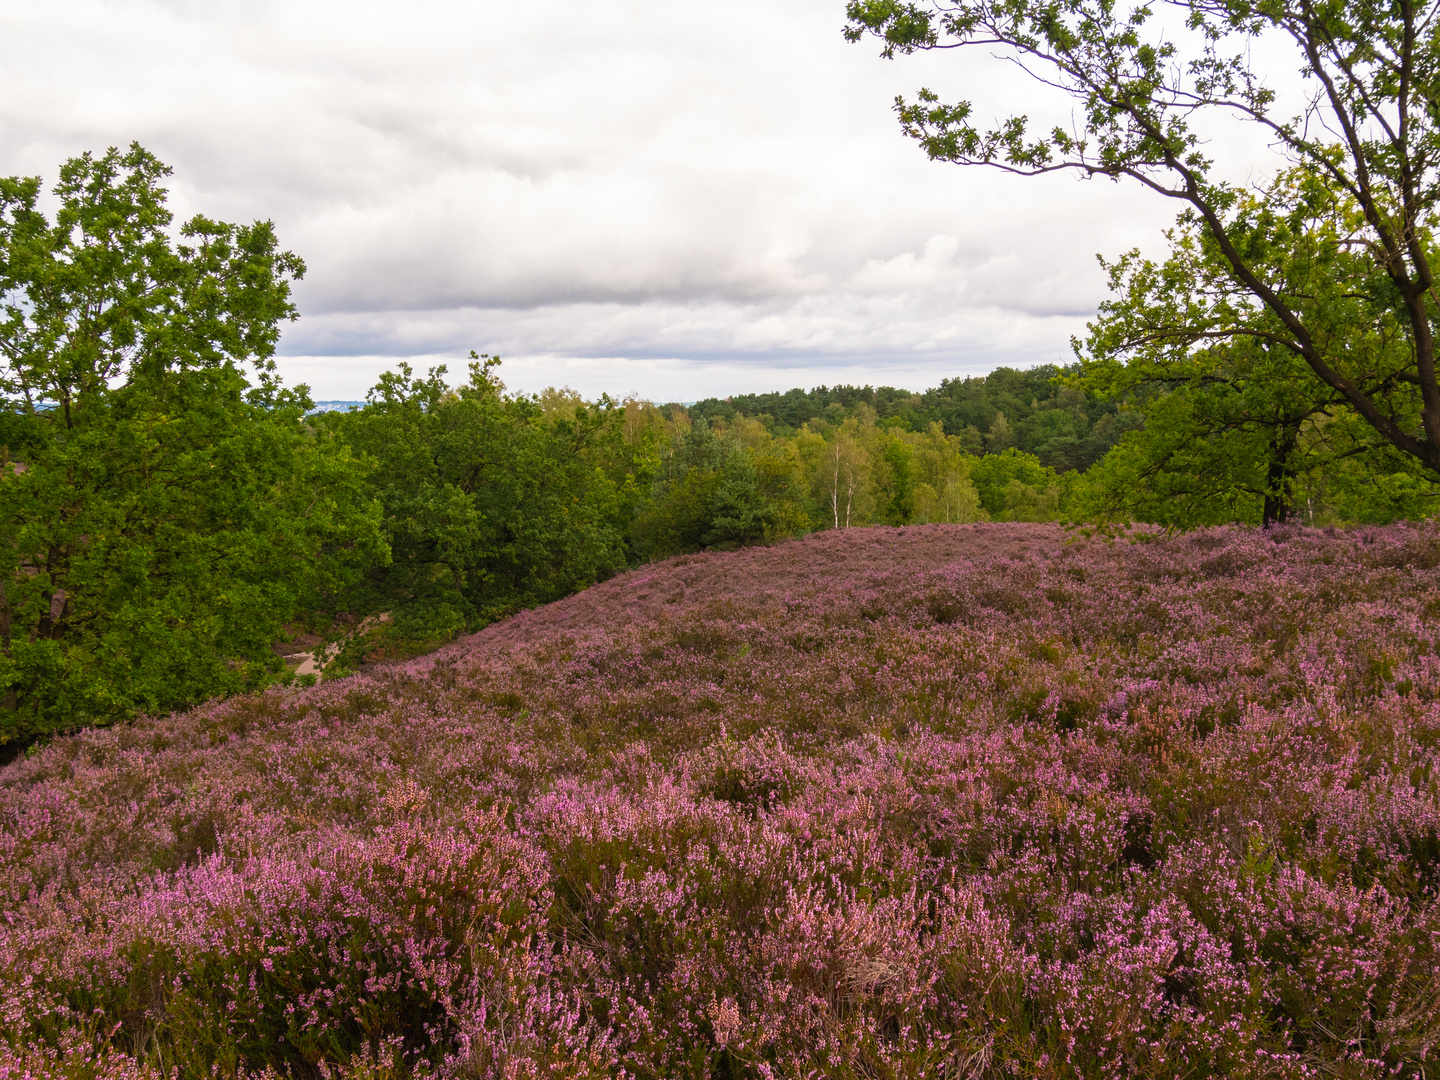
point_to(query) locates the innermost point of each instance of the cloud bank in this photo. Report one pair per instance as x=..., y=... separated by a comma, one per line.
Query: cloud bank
x=674, y=199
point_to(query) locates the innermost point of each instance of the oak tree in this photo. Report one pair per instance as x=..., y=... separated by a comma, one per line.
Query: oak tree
x=1145, y=86
x=164, y=506
x=1236, y=427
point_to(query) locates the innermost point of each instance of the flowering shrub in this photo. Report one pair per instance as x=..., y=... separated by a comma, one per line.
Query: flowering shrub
x=952, y=801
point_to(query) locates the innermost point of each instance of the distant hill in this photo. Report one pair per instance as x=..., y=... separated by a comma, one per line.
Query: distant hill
x=337, y=406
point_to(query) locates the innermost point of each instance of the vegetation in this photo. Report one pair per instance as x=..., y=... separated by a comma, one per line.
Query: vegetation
x=1035, y=411
x=951, y=799
x=1309, y=333
x=175, y=511
x=940, y=801
x=491, y=502
x=1238, y=426
x=164, y=515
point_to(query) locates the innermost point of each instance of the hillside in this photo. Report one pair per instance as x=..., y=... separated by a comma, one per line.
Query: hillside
x=937, y=801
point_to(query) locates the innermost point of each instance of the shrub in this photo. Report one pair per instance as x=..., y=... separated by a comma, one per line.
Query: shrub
x=939, y=801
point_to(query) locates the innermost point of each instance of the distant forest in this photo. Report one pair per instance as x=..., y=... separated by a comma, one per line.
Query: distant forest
x=1032, y=410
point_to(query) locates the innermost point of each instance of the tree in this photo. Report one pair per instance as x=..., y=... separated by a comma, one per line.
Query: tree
x=1057, y=423
x=721, y=487
x=999, y=438
x=1014, y=486
x=1235, y=428
x=845, y=475
x=163, y=516
x=492, y=502
x=1369, y=137
x=944, y=492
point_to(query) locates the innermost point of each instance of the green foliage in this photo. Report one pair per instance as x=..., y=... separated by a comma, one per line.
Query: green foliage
x=943, y=473
x=1236, y=426
x=724, y=484
x=492, y=502
x=1383, y=486
x=714, y=492
x=1014, y=486
x=1316, y=299
x=1035, y=410
x=165, y=517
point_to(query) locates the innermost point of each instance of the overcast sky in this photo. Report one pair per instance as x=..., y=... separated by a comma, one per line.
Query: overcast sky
x=674, y=198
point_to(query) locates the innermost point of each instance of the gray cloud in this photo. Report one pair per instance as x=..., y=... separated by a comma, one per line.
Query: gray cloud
x=678, y=193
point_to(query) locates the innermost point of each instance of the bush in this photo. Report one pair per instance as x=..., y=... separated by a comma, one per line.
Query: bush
x=897, y=802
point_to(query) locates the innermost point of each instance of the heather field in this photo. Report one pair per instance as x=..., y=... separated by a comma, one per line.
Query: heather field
x=944, y=801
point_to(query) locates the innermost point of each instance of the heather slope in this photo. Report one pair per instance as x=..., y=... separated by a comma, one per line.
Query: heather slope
x=763, y=575
x=946, y=800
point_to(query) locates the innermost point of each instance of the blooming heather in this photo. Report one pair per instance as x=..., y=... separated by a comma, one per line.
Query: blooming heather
x=944, y=801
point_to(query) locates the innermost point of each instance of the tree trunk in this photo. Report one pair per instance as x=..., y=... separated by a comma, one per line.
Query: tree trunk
x=1277, y=479
x=10, y=703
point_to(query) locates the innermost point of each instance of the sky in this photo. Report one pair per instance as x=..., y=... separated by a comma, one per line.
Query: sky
x=675, y=200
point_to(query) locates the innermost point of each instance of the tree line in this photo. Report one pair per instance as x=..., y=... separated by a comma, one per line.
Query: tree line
x=1035, y=411
x=171, y=510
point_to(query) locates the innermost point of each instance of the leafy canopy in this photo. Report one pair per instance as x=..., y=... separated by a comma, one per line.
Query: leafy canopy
x=491, y=504
x=164, y=515
x=1236, y=426
x=1368, y=140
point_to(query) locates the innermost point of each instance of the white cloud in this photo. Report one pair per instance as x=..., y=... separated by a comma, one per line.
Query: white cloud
x=624, y=195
